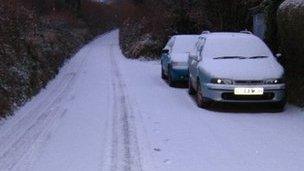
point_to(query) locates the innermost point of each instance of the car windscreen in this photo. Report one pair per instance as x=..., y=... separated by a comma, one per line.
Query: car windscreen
x=237, y=47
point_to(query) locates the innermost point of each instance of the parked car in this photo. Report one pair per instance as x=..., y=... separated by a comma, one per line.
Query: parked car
x=235, y=68
x=174, y=58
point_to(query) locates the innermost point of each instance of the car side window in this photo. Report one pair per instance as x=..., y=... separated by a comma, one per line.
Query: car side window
x=168, y=45
x=201, y=47
x=171, y=44
x=197, y=47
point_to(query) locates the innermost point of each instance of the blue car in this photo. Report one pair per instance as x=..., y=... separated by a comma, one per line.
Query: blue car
x=174, y=58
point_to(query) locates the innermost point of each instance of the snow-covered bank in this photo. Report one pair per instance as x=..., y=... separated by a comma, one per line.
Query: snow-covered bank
x=104, y=112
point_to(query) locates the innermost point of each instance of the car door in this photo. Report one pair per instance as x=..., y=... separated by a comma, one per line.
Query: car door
x=166, y=59
x=196, y=59
x=191, y=62
x=163, y=60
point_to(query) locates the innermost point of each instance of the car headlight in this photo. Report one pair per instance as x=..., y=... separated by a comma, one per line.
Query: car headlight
x=274, y=81
x=221, y=81
x=179, y=64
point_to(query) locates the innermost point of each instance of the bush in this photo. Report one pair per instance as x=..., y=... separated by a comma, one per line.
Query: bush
x=147, y=24
x=37, y=36
x=291, y=26
x=99, y=16
x=271, y=35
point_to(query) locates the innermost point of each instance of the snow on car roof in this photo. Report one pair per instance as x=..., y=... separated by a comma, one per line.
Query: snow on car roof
x=232, y=34
x=184, y=43
x=234, y=44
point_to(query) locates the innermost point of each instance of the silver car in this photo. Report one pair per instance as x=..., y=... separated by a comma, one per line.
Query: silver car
x=235, y=68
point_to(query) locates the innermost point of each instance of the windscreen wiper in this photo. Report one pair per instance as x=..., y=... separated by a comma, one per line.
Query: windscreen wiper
x=230, y=57
x=258, y=57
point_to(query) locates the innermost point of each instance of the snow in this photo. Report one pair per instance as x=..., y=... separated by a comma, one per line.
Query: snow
x=183, y=46
x=104, y=112
x=234, y=44
x=180, y=57
x=184, y=43
x=291, y=3
x=243, y=45
x=243, y=69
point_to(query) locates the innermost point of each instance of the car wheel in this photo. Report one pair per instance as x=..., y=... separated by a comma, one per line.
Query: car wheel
x=279, y=107
x=163, y=76
x=201, y=101
x=171, y=82
x=191, y=90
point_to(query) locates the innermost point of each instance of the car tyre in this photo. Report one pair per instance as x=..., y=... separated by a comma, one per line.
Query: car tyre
x=170, y=80
x=163, y=76
x=279, y=107
x=201, y=101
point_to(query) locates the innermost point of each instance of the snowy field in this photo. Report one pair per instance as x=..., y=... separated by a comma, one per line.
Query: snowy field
x=104, y=112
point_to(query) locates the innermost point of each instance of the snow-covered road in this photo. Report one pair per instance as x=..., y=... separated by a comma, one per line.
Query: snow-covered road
x=104, y=112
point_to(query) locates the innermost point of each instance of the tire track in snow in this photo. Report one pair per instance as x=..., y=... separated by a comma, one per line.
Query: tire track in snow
x=34, y=125
x=19, y=146
x=124, y=153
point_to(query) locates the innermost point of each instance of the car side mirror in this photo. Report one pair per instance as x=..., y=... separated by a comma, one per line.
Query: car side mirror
x=199, y=58
x=195, y=57
x=191, y=56
x=278, y=55
x=165, y=51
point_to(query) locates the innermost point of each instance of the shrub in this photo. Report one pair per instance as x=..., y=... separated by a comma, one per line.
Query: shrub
x=37, y=36
x=99, y=16
x=291, y=26
x=155, y=21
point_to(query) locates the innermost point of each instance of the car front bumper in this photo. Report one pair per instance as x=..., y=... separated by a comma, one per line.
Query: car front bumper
x=179, y=73
x=225, y=93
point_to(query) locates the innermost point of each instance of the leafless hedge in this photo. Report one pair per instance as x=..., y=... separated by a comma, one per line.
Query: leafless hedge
x=36, y=37
x=147, y=24
x=291, y=26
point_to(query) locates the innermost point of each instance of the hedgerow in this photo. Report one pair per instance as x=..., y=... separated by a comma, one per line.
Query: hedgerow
x=291, y=34
x=37, y=36
x=155, y=21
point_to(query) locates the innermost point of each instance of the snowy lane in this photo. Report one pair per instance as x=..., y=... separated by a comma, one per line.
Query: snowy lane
x=184, y=137
x=190, y=138
x=28, y=129
x=124, y=154
x=104, y=112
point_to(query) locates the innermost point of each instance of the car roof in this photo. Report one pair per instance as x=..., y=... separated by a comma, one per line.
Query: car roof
x=228, y=34
x=185, y=42
x=186, y=36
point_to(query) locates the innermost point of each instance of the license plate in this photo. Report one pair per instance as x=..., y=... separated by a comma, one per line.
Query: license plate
x=248, y=91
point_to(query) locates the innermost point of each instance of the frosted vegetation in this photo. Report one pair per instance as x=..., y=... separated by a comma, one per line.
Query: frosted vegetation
x=292, y=3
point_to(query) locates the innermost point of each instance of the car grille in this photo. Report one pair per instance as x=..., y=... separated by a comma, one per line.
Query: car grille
x=248, y=82
x=232, y=96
